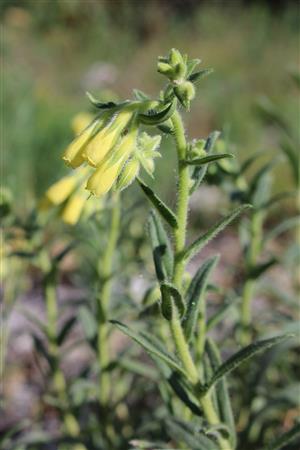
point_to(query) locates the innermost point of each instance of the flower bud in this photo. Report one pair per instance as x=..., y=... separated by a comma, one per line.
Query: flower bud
x=185, y=92
x=165, y=69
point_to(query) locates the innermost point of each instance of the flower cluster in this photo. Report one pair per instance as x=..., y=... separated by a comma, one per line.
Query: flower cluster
x=180, y=72
x=112, y=149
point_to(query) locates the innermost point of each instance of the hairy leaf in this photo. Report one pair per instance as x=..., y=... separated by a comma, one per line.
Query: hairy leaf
x=160, y=206
x=199, y=243
x=160, y=116
x=243, y=355
x=207, y=159
x=162, y=251
x=195, y=296
x=151, y=345
x=221, y=390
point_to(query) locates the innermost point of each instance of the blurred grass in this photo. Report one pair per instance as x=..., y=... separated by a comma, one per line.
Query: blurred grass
x=54, y=51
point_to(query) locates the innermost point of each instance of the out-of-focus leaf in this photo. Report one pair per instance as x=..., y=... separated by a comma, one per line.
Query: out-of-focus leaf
x=285, y=225
x=65, y=330
x=88, y=322
x=286, y=438
x=221, y=313
x=260, y=269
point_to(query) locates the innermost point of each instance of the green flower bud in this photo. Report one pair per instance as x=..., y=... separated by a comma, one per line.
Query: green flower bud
x=185, y=92
x=165, y=69
x=128, y=174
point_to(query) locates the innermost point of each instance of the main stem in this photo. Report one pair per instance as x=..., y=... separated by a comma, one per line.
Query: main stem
x=104, y=297
x=181, y=344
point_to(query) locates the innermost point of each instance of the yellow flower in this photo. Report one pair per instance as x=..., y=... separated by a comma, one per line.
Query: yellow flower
x=106, y=174
x=105, y=140
x=81, y=121
x=61, y=190
x=73, y=209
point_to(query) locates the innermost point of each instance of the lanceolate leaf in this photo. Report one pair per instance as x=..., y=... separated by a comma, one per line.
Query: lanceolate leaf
x=65, y=330
x=208, y=159
x=220, y=314
x=249, y=161
x=281, y=442
x=195, y=296
x=158, y=117
x=176, y=295
x=198, y=75
x=162, y=251
x=151, y=345
x=140, y=95
x=160, y=206
x=183, y=432
x=254, y=184
x=222, y=394
x=243, y=355
x=100, y=105
x=199, y=243
x=260, y=269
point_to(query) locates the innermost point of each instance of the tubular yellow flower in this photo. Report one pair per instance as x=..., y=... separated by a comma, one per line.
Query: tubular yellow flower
x=106, y=174
x=106, y=138
x=73, y=209
x=81, y=121
x=60, y=191
x=73, y=155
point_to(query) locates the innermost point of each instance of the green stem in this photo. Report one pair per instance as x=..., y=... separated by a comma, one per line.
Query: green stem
x=179, y=339
x=104, y=297
x=249, y=286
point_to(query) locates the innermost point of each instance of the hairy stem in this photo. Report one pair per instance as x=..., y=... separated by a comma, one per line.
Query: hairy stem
x=104, y=297
x=179, y=339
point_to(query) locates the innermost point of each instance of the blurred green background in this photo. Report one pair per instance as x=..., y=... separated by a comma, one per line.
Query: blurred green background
x=54, y=51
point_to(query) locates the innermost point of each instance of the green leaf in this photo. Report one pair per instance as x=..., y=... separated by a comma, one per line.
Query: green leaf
x=221, y=391
x=185, y=432
x=195, y=295
x=158, y=117
x=140, y=95
x=191, y=65
x=88, y=322
x=246, y=164
x=195, y=77
x=66, y=329
x=42, y=350
x=281, y=441
x=199, y=243
x=220, y=314
x=207, y=159
x=100, y=105
x=293, y=158
x=160, y=206
x=60, y=256
x=259, y=269
x=199, y=172
x=174, y=293
x=277, y=198
x=151, y=345
x=243, y=355
x=161, y=246
x=254, y=184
